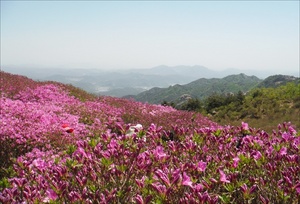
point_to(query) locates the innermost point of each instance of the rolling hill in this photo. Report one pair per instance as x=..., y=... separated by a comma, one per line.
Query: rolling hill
x=200, y=88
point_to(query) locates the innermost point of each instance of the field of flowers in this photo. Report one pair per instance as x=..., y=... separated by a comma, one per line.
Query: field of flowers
x=59, y=144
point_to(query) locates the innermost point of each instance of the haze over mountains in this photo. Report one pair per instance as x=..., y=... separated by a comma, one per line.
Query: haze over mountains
x=121, y=83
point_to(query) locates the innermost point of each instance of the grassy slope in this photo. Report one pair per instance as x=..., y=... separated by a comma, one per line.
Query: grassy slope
x=263, y=108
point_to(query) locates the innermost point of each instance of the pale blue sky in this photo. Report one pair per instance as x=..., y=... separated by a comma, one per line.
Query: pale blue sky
x=142, y=34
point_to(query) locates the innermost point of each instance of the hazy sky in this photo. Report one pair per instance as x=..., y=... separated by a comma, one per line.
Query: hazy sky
x=142, y=34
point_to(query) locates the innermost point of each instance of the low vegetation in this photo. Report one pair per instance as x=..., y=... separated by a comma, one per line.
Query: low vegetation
x=261, y=107
x=59, y=144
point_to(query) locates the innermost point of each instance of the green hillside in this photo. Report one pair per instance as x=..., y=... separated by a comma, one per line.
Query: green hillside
x=200, y=88
x=261, y=107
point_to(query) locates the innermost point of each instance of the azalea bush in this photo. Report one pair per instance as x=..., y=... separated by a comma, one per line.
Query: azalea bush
x=57, y=147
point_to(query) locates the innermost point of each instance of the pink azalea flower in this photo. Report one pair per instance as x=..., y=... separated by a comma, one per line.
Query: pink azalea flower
x=201, y=166
x=292, y=130
x=159, y=152
x=159, y=188
x=298, y=190
x=186, y=181
x=223, y=177
x=51, y=195
x=160, y=174
x=245, y=126
x=257, y=155
x=283, y=151
x=139, y=199
x=141, y=182
x=199, y=187
x=176, y=176
x=236, y=161
x=286, y=136
x=244, y=188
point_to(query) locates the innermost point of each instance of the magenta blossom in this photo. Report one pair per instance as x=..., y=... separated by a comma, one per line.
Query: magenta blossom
x=236, y=161
x=283, y=151
x=159, y=152
x=51, y=195
x=201, y=166
x=223, y=177
x=139, y=199
x=257, y=155
x=186, y=181
x=298, y=190
x=245, y=126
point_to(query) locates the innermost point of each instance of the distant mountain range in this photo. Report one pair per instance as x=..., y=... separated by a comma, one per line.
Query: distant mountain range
x=121, y=83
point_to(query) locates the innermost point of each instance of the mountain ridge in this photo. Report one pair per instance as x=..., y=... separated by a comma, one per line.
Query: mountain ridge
x=200, y=88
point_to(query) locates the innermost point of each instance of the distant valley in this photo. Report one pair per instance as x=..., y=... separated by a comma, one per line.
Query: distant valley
x=131, y=82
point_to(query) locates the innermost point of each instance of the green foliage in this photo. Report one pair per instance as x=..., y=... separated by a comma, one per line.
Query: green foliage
x=71, y=149
x=261, y=107
x=4, y=183
x=264, y=107
x=214, y=101
x=166, y=103
x=193, y=105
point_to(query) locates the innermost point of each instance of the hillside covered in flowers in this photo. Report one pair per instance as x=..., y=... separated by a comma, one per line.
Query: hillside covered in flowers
x=59, y=144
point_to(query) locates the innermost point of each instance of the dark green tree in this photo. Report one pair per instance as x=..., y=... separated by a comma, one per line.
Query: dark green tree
x=192, y=105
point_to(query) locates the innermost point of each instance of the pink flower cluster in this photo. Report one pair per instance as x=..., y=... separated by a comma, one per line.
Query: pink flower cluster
x=109, y=150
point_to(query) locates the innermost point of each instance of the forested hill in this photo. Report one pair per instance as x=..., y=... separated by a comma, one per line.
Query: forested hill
x=200, y=88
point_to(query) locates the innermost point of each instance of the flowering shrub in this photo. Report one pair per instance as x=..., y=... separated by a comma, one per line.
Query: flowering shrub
x=56, y=148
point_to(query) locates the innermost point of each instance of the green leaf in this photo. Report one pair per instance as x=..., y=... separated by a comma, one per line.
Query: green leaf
x=93, y=188
x=230, y=187
x=71, y=149
x=106, y=162
x=4, y=183
x=159, y=201
x=197, y=139
x=224, y=198
x=56, y=160
x=122, y=168
x=70, y=163
x=93, y=142
x=217, y=133
x=277, y=147
x=141, y=133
